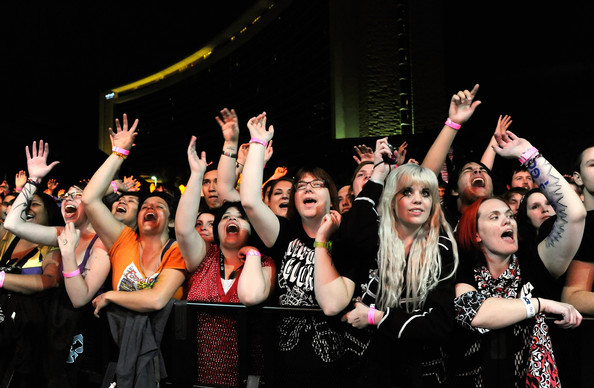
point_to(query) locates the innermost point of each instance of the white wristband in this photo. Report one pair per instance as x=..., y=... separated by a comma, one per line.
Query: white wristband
x=530, y=310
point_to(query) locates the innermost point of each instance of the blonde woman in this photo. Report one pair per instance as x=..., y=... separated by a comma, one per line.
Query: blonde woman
x=402, y=261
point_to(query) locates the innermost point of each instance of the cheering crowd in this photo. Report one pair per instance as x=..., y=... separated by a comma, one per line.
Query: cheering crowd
x=417, y=266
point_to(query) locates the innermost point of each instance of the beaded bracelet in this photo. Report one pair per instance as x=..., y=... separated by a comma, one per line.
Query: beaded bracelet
x=229, y=154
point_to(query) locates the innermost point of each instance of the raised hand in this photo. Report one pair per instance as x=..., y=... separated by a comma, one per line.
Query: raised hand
x=268, y=152
x=380, y=168
x=503, y=124
x=364, y=154
x=328, y=226
x=130, y=183
x=229, y=124
x=510, y=146
x=123, y=137
x=68, y=239
x=279, y=172
x=37, y=160
x=401, y=154
x=20, y=179
x=51, y=186
x=4, y=188
x=257, y=127
x=242, y=153
x=462, y=105
x=197, y=164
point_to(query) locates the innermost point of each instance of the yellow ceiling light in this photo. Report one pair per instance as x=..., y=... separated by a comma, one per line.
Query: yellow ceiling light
x=180, y=66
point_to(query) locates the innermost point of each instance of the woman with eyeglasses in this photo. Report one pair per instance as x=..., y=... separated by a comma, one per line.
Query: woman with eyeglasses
x=85, y=263
x=309, y=347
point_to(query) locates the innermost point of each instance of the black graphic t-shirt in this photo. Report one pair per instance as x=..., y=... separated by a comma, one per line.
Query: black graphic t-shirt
x=302, y=336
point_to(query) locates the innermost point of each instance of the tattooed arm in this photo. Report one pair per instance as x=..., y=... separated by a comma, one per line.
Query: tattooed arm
x=558, y=248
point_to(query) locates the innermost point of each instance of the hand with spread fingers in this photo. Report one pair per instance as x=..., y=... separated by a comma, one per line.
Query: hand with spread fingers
x=123, y=137
x=37, y=160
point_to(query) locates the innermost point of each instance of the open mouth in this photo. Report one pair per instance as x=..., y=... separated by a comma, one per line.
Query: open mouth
x=121, y=209
x=30, y=216
x=309, y=201
x=283, y=205
x=232, y=228
x=508, y=235
x=70, y=209
x=478, y=182
x=150, y=217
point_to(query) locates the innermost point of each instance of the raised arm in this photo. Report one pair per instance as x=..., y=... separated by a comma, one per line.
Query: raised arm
x=462, y=107
x=16, y=220
x=104, y=223
x=191, y=245
x=559, y=247
x=263, y=220
x=333, y=291
x=488, y=158
x=226, y=177
x=82, y=289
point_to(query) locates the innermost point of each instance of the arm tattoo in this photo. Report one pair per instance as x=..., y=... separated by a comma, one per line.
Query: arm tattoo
x=28, y=194
x=550, y=184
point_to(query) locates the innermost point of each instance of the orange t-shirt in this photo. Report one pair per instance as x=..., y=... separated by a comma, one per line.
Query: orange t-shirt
x=125, y=264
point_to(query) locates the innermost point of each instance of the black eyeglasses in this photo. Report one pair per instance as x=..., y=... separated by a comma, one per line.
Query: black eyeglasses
x=315, y=184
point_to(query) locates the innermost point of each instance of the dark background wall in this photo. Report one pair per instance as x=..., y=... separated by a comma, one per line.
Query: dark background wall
x=532, y=61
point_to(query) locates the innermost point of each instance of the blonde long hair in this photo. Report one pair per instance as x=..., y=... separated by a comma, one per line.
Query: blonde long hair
x=420, y=272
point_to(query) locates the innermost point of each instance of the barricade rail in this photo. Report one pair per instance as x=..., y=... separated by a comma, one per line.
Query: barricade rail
x=573, y=349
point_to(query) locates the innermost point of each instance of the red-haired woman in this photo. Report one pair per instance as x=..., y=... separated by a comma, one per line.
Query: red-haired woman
x=503, y=286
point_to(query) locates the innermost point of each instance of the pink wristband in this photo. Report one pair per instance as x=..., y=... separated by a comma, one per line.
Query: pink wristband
x=115, y=186
x=526, y=156
x=120, y=150
x=371, y=315
x=71, y=274
x=259, y=141
x=253, y=252
x=2, y=275
x=452, y=124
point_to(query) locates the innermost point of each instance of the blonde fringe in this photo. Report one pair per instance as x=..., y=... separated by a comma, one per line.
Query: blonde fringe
x=423, y=271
